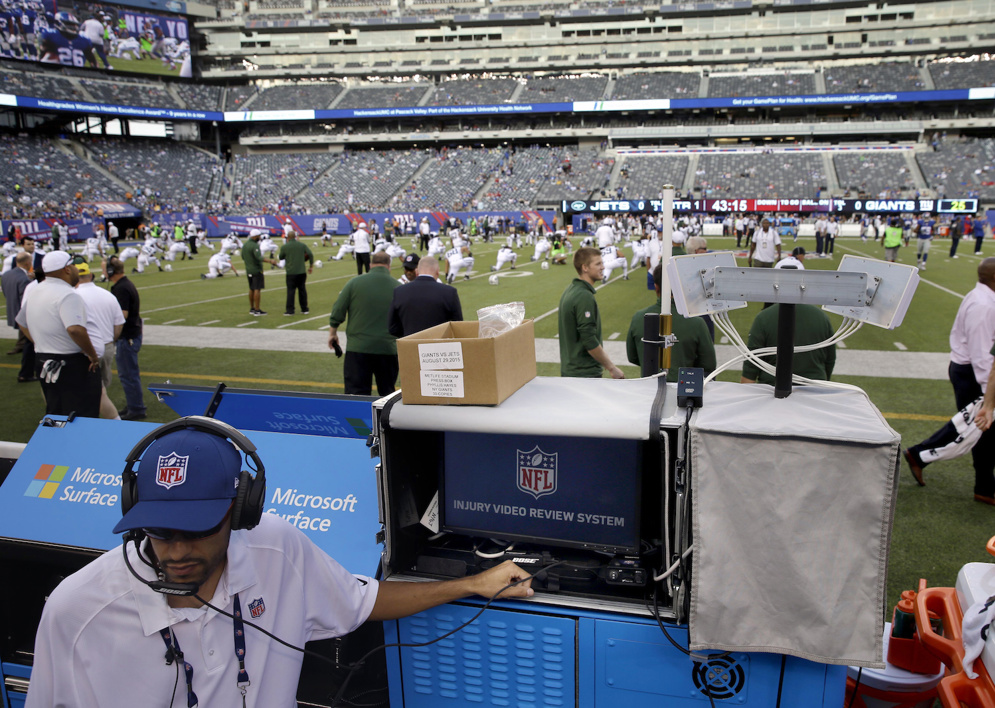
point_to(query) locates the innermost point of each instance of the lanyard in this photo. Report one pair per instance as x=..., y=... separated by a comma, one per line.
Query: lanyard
x=173, y=650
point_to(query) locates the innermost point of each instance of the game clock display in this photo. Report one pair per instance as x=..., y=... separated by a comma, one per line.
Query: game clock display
x=731, y=206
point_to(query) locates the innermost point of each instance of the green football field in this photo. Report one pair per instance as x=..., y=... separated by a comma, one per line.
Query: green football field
x=937, y=528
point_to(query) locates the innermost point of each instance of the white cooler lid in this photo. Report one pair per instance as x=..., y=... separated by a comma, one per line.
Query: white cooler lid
x=892, y=678
x=976, y=583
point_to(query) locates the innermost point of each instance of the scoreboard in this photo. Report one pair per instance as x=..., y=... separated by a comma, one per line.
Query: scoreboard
x=729, y=206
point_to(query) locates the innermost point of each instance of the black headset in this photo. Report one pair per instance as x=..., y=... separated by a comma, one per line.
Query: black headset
x=251, y=496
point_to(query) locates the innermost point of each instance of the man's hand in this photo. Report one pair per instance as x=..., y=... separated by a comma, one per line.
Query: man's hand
x=616, y=373
x=333, y=338
x=984, y=418
x=496, y=579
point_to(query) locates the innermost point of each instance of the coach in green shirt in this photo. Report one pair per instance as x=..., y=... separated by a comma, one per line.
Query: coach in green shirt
x=811, y=326
x=365, y=301
x=581, y=353
x=254, y=260
x=694, y=345
x=298, y=263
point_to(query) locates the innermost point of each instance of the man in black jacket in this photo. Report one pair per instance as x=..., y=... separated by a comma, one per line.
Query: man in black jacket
x=424, y=302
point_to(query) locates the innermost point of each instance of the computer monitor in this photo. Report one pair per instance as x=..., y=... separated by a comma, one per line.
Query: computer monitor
x=558, y=491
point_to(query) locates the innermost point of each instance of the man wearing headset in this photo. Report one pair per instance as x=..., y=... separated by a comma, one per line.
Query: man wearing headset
x=166, y=614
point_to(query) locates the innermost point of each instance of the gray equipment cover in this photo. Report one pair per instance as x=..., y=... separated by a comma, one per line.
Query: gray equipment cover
x=793, y=501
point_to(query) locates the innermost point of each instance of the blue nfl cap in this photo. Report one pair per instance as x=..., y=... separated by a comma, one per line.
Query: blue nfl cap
x=186, y=481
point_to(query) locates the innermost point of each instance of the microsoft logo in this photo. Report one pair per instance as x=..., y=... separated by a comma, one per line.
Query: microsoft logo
x=46, y=481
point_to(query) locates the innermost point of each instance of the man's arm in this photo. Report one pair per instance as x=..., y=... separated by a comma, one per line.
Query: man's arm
x=117, y=331
x=396, y=600
x=601, y=357
x=79, y=335
x=984, y=417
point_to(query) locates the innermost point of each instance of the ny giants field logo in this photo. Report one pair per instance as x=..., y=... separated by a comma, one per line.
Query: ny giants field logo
x=537, y=472
x=172, y=470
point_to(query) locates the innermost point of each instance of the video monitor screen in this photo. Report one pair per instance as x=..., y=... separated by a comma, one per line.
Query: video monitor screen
x=560, y=491
x=95, y=36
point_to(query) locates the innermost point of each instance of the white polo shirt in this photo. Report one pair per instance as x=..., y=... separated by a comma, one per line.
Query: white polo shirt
x=99, y=646
x=361, y=239
x=52, y=307
x=765, y=252
x=103, y=312
x=973, y=332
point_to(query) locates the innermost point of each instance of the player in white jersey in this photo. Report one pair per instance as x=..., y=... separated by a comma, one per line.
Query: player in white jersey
x=202, y=240
x=346, y=247
x=612, y=259
x=178, y=247
x=267, y=246
x=514, y=239
x=394, y=250
x=128, y=252
x=505, y=254
x=326, y=238
x=147, y=257
x=218, y=265
x=459, y=259
x=638, y=253
x=542, y=248
x=91, y=249
x=436, y=247
x=379, y=244
x=605, y=234
x=231, y=243
x=125, y=47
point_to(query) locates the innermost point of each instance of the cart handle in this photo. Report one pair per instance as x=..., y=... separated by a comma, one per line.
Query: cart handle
x=948, y=648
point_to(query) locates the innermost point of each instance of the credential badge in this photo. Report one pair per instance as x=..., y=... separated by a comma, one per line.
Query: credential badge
x=537, y=472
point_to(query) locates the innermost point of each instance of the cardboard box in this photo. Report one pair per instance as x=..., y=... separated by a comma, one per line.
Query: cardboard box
x=450, y=365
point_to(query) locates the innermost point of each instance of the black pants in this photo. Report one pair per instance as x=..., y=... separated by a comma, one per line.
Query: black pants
x=423, y=242
x=966, y=391
x=192, y=240
x=27, y=360
x=954, y=240
x=359, y=369
x=75, y=389
x=296, y=283
x=362, y=263
x=818, y=243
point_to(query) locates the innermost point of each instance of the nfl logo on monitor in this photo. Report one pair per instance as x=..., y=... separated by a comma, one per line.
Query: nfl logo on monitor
x=537, y=472
x=172, y=470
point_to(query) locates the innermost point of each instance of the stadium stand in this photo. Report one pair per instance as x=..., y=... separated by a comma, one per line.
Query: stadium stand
x=270, y=183
x=955, y=75
x=200, y=97
x=682, y=84
x=473, y=92
x=450, y=181
x=362, y=180
x=761, y=84
x=368, y=97
x=563, y=88
x=578, y=176
x=866, y=78
x=130, y=94
x=875, y=174
x=759, y=173
x=41, y=85
x=519, y=176
x=961, y=167
x=644, y=175
x=160, y=173
x=43, y=177
x=288, y=97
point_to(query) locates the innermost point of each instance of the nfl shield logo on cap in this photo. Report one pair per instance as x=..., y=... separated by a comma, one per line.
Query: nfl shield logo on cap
x=171, y=470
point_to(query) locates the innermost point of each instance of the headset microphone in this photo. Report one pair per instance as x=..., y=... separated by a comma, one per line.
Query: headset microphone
x=160, y=586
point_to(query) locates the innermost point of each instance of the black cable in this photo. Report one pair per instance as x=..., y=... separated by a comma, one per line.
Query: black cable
x=856, y=687
x=406, y=645
x=780, y=680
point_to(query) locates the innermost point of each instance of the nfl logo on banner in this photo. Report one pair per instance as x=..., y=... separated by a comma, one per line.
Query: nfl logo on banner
x=172, y=470
x=256, y=608
x=536, y=472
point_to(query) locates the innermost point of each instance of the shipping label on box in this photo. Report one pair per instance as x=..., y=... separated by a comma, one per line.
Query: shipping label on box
x=436, y=356
x=442, y=384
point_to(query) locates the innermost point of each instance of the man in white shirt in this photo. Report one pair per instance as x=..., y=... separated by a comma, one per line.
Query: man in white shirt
x=195, y=533
x=104, y=321
x=765, y=246
x=605, y=234
x=794, y=260
x=361, y=248
x=54, y=318
x=971, y=341
x=93, y=29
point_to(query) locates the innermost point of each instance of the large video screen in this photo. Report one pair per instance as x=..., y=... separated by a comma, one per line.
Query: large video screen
x=95, y=36
x=561, y=491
